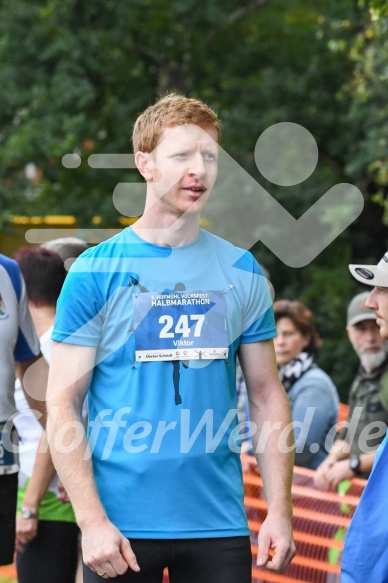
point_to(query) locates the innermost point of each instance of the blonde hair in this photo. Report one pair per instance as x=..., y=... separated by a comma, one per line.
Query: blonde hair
x=168, y=111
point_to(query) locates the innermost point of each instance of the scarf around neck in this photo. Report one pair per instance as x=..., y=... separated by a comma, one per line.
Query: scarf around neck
x=295, y=369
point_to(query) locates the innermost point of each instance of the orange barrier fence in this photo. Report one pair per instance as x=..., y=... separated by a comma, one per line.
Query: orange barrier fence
x=320, y=523
x=8, y=573
x=343, y=411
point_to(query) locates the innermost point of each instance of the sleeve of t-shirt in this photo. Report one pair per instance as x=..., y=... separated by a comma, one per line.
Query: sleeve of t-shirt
x=27, y=342
x=79, y=318
x=258, y=316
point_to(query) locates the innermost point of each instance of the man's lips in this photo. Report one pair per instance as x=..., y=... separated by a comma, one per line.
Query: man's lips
x=194, y=190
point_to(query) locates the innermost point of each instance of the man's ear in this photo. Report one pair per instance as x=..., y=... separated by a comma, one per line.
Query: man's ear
x=144, y=165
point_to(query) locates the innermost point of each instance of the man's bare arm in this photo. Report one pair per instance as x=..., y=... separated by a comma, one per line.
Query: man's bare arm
x=43, y=472
x=104, y=547
x=33, y=378
x=269, y=410
x=42, y=475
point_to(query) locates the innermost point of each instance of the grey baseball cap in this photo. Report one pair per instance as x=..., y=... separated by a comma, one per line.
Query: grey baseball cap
x=357, y=310
x=376, y=275
x=68, y=248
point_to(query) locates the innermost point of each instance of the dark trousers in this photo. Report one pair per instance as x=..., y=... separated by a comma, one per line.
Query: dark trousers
x=52, y=556
x=8, y=496
x=210, y=560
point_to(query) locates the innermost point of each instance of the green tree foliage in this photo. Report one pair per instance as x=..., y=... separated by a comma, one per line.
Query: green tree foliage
x=368, y=158
x=75, y=74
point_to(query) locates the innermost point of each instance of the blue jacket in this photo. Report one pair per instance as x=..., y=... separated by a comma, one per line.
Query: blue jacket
x=365, y=554
x=314, y=407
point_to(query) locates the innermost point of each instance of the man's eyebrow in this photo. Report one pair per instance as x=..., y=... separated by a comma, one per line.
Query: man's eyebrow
x=173, y=144
x=185, y=146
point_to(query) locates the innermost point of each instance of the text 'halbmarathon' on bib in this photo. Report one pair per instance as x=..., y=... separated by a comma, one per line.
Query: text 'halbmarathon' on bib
x=180, y=325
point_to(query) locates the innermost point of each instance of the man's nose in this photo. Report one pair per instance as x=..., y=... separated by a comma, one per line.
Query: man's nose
x=197, y=166
x=371, y=335
x=371, y=300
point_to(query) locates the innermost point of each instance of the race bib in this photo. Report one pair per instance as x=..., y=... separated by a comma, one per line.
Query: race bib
x=9, y=459
x=180, y=325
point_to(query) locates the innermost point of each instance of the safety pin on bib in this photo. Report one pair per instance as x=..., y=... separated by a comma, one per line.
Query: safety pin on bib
x=230, y=286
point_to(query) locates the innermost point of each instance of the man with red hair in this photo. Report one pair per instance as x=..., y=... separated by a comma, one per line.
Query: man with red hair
x=149, y=324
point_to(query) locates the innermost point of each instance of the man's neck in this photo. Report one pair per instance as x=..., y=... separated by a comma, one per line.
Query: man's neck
x=167, y=230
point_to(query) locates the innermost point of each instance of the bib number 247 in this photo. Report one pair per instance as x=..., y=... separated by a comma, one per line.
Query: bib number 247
x=184, y=326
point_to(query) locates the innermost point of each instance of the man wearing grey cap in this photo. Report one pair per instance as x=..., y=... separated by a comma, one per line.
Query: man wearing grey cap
x=365, y=555
x=68, y=248
x=354, y=451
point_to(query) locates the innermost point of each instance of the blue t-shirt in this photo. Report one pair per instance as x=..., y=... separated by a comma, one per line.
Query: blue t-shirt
x=165, y=456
